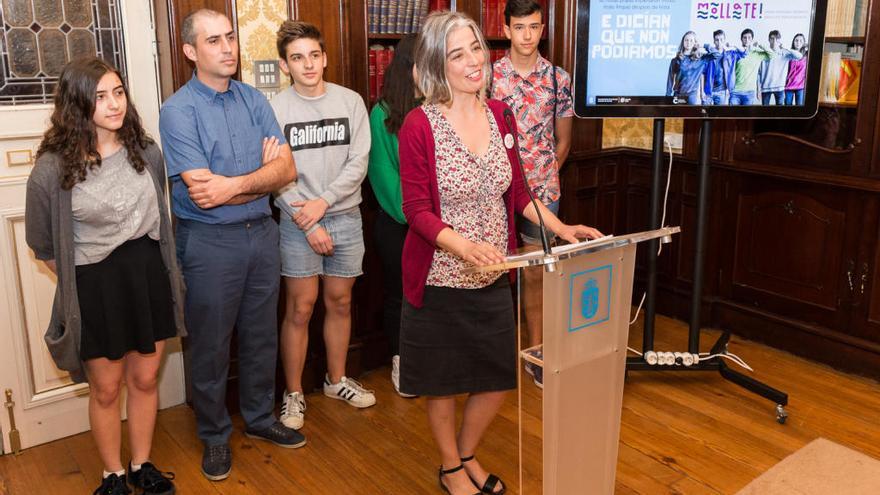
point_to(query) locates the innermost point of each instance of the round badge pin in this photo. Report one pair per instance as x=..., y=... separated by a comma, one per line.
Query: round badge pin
x=508, y=141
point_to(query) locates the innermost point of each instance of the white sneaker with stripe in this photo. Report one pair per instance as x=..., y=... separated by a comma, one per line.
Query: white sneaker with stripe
x=350, y=391
x=293, y=410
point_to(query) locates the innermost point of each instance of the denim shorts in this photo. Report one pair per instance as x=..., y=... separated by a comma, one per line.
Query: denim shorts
x=531, y=232
x=298, y=260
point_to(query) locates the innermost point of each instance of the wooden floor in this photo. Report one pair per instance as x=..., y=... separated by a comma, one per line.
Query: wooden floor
x=682, y=433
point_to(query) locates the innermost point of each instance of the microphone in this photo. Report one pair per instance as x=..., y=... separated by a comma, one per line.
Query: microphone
x=511, y=125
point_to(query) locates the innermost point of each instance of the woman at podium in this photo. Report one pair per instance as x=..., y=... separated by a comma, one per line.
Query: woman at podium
x=462, y=184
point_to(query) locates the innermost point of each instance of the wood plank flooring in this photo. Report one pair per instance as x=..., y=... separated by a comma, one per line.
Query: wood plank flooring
x=681, y=433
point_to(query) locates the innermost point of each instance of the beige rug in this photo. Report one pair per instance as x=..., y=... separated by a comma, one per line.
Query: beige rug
x=821, y=467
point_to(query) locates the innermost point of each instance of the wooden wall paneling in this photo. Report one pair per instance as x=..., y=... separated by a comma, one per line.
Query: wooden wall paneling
x=637, y=192
x=590, y=193
x=357, y=50
x=791, y=250
x=812, y=342
x=721, y=136
x=332, y=18
x=729, y=185
x=684, y=208
x=866, y=277
x=873, y=293
x=174, y=11
x=586, y=133
x=691, y=141
x=687, y=219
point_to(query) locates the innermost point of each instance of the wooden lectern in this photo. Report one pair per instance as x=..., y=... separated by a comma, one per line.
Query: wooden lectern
x=587, y=301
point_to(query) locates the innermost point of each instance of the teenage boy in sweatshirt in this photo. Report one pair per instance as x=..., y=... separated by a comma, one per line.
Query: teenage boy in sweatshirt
x=774, y=72
x=328, y=131
x=745, y=74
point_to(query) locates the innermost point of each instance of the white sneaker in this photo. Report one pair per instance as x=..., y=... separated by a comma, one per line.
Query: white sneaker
x=350, y=391
x=395, y=377
x=293, y=410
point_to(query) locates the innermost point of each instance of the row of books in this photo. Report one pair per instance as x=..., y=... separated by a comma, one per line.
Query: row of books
x=841, y=76
x=846, y=18
x=400, y=16
x=493, y=17
x=496, y=53
x=380, y=57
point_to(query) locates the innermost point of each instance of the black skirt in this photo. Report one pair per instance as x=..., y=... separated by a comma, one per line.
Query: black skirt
x=125, y=302
x=459, y=341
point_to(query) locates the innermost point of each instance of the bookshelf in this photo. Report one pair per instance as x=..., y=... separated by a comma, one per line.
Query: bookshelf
x=834, y=140
x=384, y=24
x=373, y=38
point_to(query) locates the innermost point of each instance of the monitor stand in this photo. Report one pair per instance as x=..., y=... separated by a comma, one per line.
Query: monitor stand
x=715, y=363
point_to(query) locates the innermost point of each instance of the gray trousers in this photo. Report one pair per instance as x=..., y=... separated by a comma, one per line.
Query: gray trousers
x=232, y=276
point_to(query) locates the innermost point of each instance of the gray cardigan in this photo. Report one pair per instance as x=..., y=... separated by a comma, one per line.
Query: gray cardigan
x=49, y=232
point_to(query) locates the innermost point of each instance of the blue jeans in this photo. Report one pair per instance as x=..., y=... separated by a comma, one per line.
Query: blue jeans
x=742, y=98
x=719, y=97
x=794, y=97
x=299, y=260
x=231, y=274
x=531, y=232
x=779, y=96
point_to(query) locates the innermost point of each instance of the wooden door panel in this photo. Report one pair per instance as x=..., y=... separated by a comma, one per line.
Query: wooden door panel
x=789, y=251
x=867, y=278
x=173, y=12
x=873, y=291
x=329, y=16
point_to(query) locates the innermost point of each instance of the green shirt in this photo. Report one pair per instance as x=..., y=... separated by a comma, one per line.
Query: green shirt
x=747, y=70
x=384, y=169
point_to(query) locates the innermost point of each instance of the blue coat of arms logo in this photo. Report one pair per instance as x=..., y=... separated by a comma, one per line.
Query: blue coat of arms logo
x=590, y=299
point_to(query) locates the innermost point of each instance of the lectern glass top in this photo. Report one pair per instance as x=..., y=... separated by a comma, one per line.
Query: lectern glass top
x=567, y=251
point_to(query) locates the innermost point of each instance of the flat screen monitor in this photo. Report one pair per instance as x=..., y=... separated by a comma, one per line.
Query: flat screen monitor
x=698, y=59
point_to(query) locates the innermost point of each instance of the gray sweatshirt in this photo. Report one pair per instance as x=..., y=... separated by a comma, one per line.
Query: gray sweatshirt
x=774, y=72
x=330, y=139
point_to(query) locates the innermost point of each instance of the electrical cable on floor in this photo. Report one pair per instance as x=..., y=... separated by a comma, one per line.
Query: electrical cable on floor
x=703, y=355
x=726, y=355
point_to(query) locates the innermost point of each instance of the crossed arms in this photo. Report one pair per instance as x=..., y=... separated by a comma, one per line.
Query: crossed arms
x=209, y=190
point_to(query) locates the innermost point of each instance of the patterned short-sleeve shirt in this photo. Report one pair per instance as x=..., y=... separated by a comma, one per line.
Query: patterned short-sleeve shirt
x=532, y=101
x=471, y=191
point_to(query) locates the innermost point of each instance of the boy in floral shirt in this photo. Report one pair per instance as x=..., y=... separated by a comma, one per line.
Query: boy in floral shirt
x=539, y=94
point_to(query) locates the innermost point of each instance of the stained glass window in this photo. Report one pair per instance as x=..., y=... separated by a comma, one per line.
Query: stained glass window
x=40, y=36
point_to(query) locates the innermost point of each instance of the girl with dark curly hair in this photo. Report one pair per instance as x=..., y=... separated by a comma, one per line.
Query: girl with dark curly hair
x=96, y=214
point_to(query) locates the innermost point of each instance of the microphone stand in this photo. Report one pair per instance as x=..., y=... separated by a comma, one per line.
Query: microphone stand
x=549, y=265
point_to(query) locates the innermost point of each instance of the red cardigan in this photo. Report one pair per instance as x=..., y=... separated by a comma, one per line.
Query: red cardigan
x=421, y=197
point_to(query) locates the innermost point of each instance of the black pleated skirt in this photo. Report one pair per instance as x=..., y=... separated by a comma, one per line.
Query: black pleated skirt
x=459, y=341
x=125, y=302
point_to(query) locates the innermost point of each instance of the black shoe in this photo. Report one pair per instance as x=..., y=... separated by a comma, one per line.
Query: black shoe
x=112, y=485
x=443, y=472
x=491, y=482
x=280, y=435
x=217, y=462
x=150, y=480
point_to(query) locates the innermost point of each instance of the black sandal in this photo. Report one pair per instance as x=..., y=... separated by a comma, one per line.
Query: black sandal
x=450, y=471
x=490, y=483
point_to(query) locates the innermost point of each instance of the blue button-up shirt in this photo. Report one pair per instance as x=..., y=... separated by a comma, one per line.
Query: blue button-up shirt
x=223, y=132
